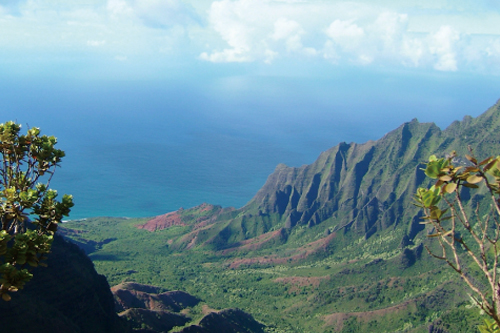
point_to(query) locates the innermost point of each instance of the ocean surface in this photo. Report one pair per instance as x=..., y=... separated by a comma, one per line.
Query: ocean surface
x=144, y=148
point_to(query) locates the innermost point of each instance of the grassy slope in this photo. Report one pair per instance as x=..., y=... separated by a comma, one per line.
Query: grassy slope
x=292, y=296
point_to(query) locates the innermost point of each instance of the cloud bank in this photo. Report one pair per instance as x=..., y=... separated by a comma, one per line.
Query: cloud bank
x=417, y=34
x=343, y=32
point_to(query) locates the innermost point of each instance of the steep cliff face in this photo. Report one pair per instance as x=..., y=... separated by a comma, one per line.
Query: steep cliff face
x=359, y=187
x=362, y=186
x=66, y=296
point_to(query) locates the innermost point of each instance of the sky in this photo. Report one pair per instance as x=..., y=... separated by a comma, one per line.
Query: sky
x=144, y=39
x=285, y=78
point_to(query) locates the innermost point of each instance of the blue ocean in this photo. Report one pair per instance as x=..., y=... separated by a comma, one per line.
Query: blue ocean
x=144, y=148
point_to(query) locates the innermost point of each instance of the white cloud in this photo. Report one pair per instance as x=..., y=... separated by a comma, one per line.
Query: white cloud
x=391, y=27
x=429, y=35
x=442, y=45
x=270, y=55
x=229, y=20
x=342, y=30
x=165, y=13
x=119, y=8
x=96, y=43
x=330, y=53
x=347, y=35
x=256, y=30
x=290, y=31
x=227, y=55
x=412, y=51
x=284, y=28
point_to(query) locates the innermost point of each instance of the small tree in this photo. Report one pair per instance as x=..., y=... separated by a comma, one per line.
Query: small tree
x=475, y=231
x=29, y=210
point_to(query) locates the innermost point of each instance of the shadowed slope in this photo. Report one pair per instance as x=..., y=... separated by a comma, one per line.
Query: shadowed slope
x=66, y=296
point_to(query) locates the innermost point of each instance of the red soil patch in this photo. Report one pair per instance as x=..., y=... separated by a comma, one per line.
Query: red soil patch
x=192, y=237
x=255, y=243
x=299, y=254
x=204, y=221
x=337, y=319
x=192, y=242
x=174, y=218
x=259, y=260
x=147, y=297
x=205, y=207
x=162, y=222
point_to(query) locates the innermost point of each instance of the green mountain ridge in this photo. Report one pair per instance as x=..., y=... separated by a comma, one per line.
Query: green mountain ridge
x=334, y=246
x=359, y=187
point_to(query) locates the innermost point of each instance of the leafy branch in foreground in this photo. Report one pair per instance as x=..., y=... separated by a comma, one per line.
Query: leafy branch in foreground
x=26, y=160
x=458, y=229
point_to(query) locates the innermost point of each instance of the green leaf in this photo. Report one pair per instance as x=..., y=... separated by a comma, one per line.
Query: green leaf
x=474, y=179
x=445, y=178
x=432, y=170
x=470, y=158
x=436, y=213
x=486, y=161
x=447, y=233
x=450, y=188
x=489, y=165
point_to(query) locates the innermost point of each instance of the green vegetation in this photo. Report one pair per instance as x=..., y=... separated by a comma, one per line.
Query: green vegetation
x=25, y=160
x=335, y=246
x=467, y=231
x=289, y=296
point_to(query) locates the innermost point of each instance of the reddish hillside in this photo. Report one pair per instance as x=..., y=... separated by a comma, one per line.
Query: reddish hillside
x=198, y=217
x=133, y=295
x=298, y=254
x=162, y=222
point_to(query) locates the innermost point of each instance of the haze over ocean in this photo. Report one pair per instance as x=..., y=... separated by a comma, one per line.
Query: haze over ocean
x=167, y=104
x=142, y=148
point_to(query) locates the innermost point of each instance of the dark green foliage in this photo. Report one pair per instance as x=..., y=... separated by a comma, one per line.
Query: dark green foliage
x=490, y=326
x=473, y=234
x=24, y=160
